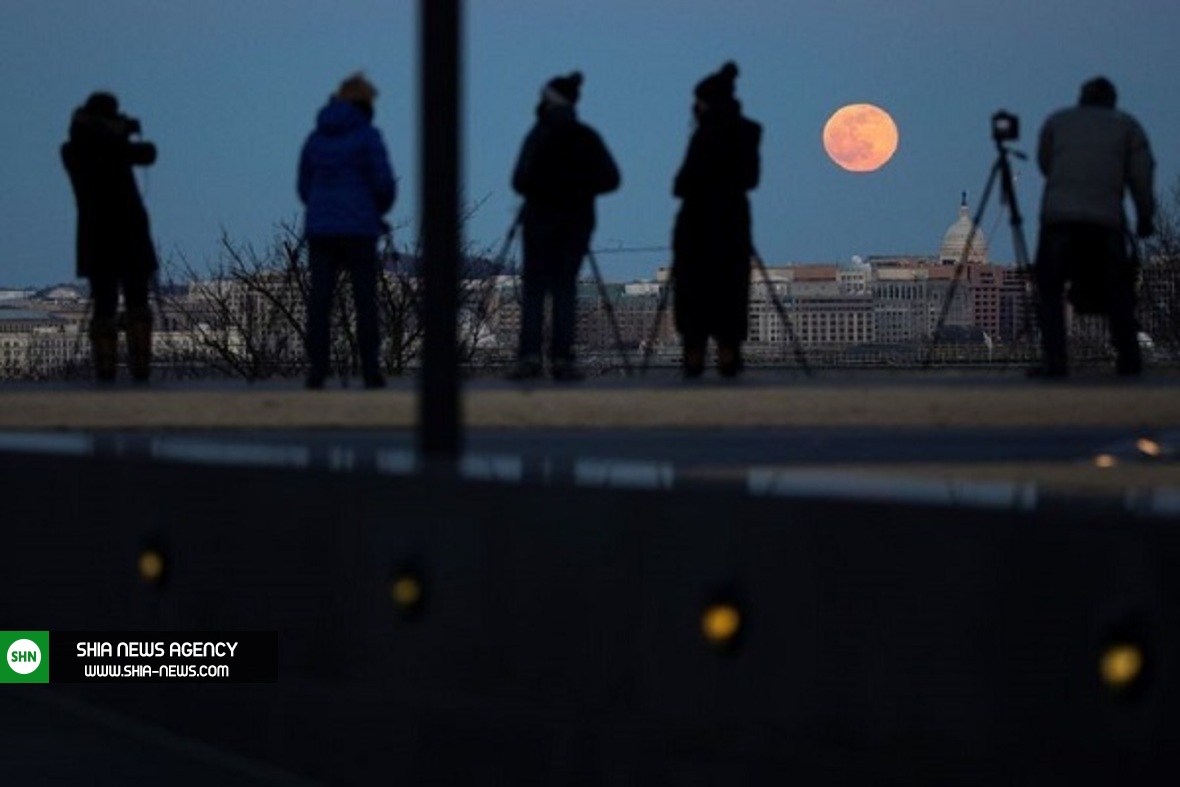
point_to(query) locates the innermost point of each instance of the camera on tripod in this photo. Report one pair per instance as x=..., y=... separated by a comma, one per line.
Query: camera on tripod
x=131, y=126
x=1005, y=127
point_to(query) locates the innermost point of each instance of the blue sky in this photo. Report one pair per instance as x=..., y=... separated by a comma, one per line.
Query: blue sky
x=228, y=90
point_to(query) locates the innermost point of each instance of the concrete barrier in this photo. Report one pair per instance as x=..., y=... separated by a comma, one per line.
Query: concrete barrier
x=559, y=638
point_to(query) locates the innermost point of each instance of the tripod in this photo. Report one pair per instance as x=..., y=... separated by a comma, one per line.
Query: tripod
x=508, y=239
x=610, y=313
x=1003, y=131
x=655, y=327
x=513, y=230
x=796, y=345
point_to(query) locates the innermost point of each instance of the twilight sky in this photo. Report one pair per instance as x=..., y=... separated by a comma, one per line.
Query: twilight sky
x=228, y=90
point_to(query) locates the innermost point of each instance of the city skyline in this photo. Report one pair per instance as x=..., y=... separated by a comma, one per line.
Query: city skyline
x=882, y=309
x=228, y=92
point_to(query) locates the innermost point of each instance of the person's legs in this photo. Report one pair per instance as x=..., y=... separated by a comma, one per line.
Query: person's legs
x=364, y=268
x=321, y=257
x=1050, y=271
x=534, y=284
x=1124, y=328
x=570, y=248
x=732, y=314
x=693, y=364
x=104, y=332
x=692, y=303
x=139, y=326
x=691, y=312
x=729, y=358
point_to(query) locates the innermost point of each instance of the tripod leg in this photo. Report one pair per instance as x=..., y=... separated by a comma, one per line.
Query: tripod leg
x=507, y=244
x=610, y=314
x=655, y=328
x=796, y=345
x=1030, y=311
x=961, y=265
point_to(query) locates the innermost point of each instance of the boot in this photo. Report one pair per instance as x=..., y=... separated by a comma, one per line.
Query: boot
x=694, y=360
x=527, y=368
x=104, y=349
x=729, y=360
x=139, y=345
x=564, y=370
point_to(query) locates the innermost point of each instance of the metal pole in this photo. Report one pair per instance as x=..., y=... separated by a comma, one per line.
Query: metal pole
x=439, y=427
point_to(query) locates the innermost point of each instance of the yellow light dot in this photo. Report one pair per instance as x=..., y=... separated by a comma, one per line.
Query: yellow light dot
x=1105, y=461
x=1148, y=447
x=1120, y=665
x=151, y=565
x=405, y=591
x=720, y=623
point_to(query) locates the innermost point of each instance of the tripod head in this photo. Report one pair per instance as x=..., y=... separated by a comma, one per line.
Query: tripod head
x=1005, y=129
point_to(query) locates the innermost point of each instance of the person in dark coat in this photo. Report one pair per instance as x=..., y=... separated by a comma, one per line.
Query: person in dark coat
x=711, y=242
x=1092, y=156
x=563, y=165
x=347, y=185
x=114, y=243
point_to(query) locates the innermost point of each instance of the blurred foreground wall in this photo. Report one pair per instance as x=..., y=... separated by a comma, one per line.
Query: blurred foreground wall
x=559, y=640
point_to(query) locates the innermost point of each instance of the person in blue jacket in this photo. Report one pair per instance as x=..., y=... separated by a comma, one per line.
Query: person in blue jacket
x=347, y=185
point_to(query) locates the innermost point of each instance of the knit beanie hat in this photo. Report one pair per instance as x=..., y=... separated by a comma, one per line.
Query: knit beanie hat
x=357, y=90
x=717, y=88
x=1100, y=92
x=563, y=91
x=102, y=103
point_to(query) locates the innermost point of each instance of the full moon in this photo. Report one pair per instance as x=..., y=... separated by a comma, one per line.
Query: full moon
x=860, y=137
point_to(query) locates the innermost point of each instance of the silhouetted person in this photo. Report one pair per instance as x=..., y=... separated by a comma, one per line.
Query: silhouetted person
x=114, y=243
x=563, y=165
x=1092, y=155
x=711, y=244
x=347, y=184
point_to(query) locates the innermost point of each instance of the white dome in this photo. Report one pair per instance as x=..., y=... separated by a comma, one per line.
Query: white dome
x=956, y=237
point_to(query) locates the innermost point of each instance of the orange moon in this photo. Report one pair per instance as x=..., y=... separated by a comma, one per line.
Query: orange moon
x=860, y=137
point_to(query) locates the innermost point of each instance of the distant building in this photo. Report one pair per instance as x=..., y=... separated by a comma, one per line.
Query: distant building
x=954, y=242
x=8, y=294
x=35, y=343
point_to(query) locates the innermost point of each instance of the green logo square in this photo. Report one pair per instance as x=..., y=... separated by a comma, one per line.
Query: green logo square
x=26, y=656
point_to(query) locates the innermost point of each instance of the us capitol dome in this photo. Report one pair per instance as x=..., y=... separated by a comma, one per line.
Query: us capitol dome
x=956, y=239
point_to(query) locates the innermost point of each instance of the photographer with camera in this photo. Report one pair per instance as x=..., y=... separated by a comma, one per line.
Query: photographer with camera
x=562, y=168
x=114, y=244
x=1091, y=155
x=711, y=238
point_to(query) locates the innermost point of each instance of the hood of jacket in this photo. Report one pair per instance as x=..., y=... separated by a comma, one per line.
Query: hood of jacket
x=341, y=117
x=88, y=126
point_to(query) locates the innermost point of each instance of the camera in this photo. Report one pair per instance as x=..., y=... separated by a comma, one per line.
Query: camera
x=131, y=126
x=1005, y=127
